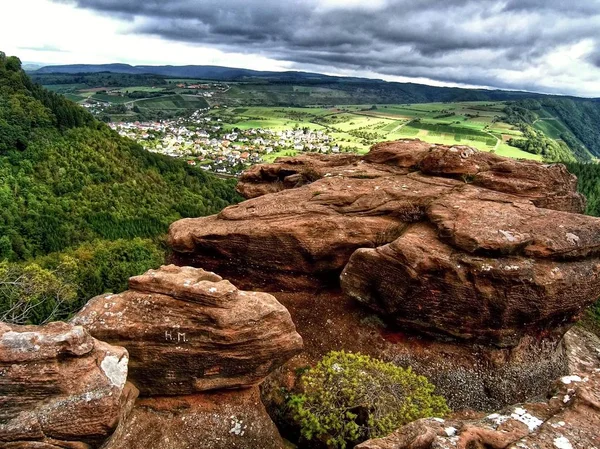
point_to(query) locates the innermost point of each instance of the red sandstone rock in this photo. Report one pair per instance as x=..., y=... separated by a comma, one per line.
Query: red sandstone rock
x=216, y=420
x=570, y=418
x=425, y=285
x=187, y=331
x=443, y=242
x=548, y=185
x=302, y=238
x=59, y=387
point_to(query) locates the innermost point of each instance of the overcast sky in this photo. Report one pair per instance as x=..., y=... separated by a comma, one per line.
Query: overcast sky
x=539, y=45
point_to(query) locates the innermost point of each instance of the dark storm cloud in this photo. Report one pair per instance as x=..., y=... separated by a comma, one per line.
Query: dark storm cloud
x=485, y=42
x=594, y=57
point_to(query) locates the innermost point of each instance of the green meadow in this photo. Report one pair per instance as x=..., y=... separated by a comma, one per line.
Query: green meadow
x=358, y=127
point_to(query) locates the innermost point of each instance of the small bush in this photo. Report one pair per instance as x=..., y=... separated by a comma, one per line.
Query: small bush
x=349, y=398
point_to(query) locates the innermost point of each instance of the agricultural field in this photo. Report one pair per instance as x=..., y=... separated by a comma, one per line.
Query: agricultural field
x=358, y=127
x=173, y=102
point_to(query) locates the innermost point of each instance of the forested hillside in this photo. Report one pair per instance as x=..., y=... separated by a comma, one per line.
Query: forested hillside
x=572, y=123
x=67, y=179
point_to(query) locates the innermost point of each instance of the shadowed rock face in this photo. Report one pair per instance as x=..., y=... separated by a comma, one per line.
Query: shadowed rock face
x=215, y=420
x=188, y=331
x=59, y=387
x=569, y=418
x=444, y=242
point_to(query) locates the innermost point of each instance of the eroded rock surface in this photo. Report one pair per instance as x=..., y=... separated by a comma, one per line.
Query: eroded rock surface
x=568, y=419
x=188, y=330
x=59, y=387
x=443, y=240
x=484, y=254
x=215, y=420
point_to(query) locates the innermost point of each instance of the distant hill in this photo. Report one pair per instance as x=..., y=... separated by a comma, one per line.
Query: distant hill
x=422, y=92
x=189, y=71
x=68, y=178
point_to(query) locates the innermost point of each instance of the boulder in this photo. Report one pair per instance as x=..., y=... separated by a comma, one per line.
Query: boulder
x=215, y=420
x=59, y=387
x=423, y=284
x=301, y=239
x=548, y=185
x=188, y=330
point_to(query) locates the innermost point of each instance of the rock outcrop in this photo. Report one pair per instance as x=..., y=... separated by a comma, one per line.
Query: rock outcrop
x=59, y=387
x=570, y=418
x=188, y=330
x=475, y=252
x=216, y=420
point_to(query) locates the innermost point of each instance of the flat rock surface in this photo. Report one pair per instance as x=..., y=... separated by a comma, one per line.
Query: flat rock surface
x=216, y=420
x=188, y=330
x=59, y=386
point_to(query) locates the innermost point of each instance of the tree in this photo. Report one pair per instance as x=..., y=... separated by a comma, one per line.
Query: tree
x=5, y=247
x=31, y=294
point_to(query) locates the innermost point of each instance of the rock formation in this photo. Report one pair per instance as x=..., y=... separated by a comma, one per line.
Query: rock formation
x=216, y=420
x=198, y=348
x=59, y=387
x=468, y=252
x=191, y=335
x=188, y=331
x=570, y=418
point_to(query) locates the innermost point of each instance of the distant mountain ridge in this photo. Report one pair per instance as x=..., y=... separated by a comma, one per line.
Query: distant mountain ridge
x=191, y=71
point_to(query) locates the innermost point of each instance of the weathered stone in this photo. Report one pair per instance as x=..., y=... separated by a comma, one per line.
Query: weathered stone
x=548, y=185
x=59, y=386
x=302, y=238
x=570, y=418
x=187, y=330
x=425, y=285
x=216, y=420
x=293, y=172
x=478, y=257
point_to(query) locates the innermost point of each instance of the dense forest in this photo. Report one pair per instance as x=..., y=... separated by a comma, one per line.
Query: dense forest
x=581, y=135
x=105, y=79
x=581, y=116
x=67, y=180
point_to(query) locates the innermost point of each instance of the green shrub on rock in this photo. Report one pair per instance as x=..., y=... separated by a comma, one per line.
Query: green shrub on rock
x=352, y=397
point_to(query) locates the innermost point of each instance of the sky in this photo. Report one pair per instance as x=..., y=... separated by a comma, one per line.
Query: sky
x=550, y=46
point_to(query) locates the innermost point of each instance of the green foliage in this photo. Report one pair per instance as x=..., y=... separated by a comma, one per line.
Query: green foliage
x=587, y=184
x=99, y=79
x=56, y=286
x=32, y=294
x=66, y=178
x=535, y=142
x=581, y=117
x=352, y=397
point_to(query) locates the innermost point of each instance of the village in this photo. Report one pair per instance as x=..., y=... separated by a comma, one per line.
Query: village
x=205, y=141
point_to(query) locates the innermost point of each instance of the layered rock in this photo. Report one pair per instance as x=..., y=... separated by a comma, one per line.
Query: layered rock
x=59, y=387
x=215, y=420
x=570, y=418
x=188, y=331
x=486, y=253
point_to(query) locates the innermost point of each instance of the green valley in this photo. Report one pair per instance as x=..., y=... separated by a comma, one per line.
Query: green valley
x=73, y=188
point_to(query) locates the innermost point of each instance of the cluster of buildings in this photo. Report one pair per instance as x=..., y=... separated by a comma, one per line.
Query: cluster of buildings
x=202, y=140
